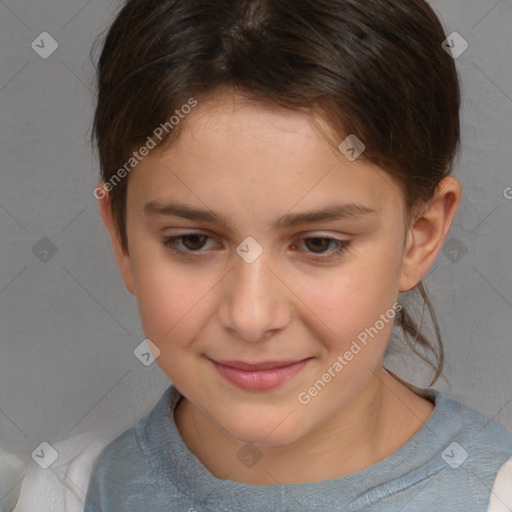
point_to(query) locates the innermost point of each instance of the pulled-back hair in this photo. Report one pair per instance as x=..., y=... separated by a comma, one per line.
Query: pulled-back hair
x=374, y=69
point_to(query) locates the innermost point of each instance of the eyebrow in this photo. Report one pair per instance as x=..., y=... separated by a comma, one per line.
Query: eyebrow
x=348, y=211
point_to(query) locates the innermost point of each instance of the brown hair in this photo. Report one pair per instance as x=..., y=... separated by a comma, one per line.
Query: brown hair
x=374, y=69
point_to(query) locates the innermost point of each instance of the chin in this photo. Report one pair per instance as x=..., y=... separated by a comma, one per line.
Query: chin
x=272, y=433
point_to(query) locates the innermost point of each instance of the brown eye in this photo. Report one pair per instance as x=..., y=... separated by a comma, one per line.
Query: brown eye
x=323, y=248
x=195, y=241
x=188, y=243
x=319, y=244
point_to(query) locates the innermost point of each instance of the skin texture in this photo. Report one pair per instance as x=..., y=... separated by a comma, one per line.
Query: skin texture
x=252, y=165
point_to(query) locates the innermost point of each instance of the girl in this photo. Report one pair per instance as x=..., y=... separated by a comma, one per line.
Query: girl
x=274, y=174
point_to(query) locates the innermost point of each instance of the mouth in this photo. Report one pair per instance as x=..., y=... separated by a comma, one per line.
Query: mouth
x=259, y=376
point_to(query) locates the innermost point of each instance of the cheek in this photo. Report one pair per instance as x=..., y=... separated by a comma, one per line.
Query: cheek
x=171, y=298
x=352, y=298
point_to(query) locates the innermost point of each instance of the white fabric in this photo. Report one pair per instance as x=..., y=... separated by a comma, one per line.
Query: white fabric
x=12, y=470
x=63, y=486
x=501, y=497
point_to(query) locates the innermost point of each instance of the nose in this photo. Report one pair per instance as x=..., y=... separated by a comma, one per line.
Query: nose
x=255, y=301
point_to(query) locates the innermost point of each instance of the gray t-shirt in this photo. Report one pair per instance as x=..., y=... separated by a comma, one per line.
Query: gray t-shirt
x=450, y=464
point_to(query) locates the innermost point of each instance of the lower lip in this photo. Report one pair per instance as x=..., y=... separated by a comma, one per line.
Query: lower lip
x=260, y=380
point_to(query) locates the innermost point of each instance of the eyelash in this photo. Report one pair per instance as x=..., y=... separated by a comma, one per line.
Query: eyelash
x=170, y=243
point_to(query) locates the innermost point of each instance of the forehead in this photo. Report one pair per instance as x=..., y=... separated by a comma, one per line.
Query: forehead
x=233, y=151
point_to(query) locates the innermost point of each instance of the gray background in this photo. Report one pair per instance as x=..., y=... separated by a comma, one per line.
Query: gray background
x=68, y=326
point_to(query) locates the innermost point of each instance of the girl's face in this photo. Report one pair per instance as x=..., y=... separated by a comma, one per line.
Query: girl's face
x=279, y=281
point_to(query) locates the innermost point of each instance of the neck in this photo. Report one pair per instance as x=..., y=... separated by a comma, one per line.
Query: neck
x=376, y=423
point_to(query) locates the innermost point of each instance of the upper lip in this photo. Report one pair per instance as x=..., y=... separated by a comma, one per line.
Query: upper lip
x=265, y=365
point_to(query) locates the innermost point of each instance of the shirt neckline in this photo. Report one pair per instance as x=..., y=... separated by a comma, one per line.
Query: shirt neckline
x=179, y=467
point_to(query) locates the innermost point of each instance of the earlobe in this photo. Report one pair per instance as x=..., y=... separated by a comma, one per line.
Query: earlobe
x=425, y=239
x=122, y=257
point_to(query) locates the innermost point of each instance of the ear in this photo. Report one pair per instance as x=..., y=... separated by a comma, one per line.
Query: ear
x=425, y=239
x=122, y=257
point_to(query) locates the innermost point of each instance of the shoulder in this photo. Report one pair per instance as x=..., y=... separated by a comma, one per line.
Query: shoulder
x=130, y=454
x=119, y=459
x=126, y=470
x=452, y=421
x=458, y=454
x=118, y=471
x=474, y=453
x=485, y=440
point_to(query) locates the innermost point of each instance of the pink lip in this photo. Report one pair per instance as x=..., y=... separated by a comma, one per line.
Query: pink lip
x=261, y=376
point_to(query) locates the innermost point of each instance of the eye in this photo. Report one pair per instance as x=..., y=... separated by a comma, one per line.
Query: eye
x=320, y=245
x=192, y=242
